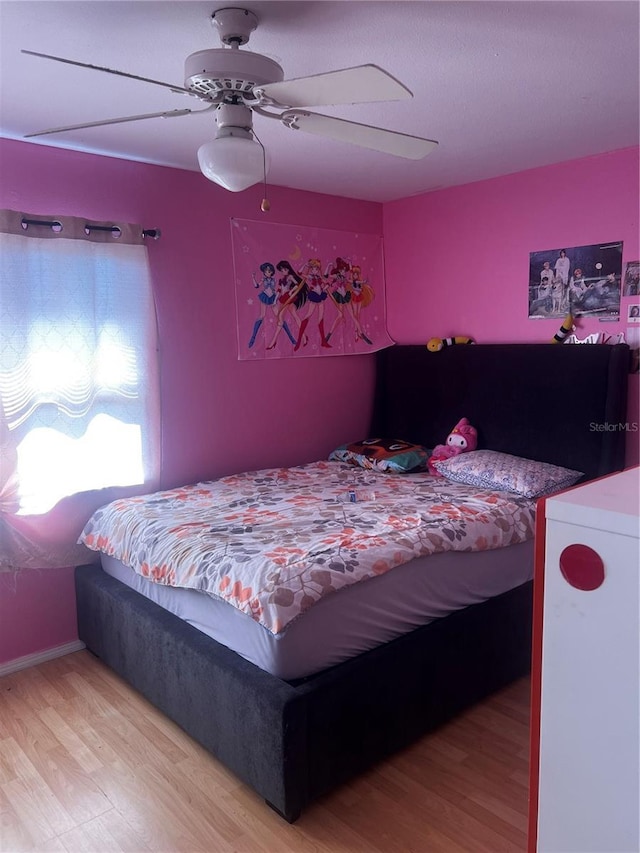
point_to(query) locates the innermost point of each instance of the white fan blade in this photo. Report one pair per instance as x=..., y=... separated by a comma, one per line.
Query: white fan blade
x=169, y=114
x=173, y=88
x=377, y=138
x=359, y=85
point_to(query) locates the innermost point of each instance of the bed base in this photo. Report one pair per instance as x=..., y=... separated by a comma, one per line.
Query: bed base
x=293, y=742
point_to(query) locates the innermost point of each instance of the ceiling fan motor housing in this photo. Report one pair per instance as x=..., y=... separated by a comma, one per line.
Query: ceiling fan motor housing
x=234, y=25
x=220, y=71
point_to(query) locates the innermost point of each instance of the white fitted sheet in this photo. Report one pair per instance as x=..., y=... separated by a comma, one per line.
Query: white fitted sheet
x=353, y=620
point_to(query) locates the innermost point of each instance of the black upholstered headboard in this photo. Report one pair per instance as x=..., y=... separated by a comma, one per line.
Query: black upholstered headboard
x=563, y=404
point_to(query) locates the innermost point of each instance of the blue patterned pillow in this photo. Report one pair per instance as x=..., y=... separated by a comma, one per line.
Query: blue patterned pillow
x=502, y=472
x=379, y=454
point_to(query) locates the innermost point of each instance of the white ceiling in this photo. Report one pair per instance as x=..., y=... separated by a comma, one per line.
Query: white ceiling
x=503, y=86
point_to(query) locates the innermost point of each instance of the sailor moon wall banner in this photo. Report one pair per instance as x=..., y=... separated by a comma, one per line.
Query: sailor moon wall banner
x=307, y=291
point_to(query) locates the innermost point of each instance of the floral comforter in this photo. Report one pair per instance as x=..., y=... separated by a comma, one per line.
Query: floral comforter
x=274, y=542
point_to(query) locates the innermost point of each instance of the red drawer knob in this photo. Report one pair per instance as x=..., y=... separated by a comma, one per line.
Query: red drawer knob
x=582, y=567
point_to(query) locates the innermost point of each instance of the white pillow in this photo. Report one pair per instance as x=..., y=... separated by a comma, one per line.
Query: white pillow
x=502, y=472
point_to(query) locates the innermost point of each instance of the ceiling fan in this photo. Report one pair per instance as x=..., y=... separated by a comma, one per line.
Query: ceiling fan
x=236, y=83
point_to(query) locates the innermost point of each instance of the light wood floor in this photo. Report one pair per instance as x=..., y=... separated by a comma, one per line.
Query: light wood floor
x=86, y=764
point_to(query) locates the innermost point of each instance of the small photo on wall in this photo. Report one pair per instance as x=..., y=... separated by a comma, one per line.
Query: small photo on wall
x=633, y=313
x=583, y=280
x=631, y=285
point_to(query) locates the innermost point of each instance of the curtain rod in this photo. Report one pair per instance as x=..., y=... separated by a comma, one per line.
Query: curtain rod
x=152, y=233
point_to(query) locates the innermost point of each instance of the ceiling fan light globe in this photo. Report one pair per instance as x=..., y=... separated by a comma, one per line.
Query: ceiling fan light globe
x=233, y=162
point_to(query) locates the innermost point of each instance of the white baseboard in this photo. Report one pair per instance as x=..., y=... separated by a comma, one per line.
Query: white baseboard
x=40, y=657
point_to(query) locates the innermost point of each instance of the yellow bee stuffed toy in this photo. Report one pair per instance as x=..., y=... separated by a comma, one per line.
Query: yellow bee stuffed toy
x=436, y=344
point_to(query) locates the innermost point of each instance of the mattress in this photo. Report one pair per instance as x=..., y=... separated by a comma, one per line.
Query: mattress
x=274, y=543
x=352, y=620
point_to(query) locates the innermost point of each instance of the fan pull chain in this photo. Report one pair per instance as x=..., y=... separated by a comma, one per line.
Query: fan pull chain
x=265, y=205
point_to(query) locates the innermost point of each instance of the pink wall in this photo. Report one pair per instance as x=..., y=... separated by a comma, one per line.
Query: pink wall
x=457, y=260
x=37, y=611
x=218, y=414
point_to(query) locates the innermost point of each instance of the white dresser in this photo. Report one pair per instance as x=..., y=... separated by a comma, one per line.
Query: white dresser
x=589, y=716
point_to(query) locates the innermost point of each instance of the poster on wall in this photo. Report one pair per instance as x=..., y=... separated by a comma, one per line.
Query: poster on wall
x=307, y=291
x=632, y=279
x=582, y=280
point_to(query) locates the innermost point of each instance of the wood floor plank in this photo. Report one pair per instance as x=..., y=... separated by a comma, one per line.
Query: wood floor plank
x=446, y=809
x=144, y=810
x=37, y=808
x=205, y=824
x=333, y=833
x=14, y=835
x=67, y=738
x=74, y=789
x=520, y=777
x=108, y=833
x=33, y=689
x=24, y=725
x=474, y=774
x=397, y=829
x=86, y=725
x=263, y=827
x=87, y=765
x=517, y=818
x=472, y=793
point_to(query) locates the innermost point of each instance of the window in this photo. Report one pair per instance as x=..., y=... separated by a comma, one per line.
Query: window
x=78, y=375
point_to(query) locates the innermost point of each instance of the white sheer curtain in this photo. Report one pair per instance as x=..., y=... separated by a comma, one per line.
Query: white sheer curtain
x=79, y=400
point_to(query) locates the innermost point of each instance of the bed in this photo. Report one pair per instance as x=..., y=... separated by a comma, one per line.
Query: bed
x=294, y=736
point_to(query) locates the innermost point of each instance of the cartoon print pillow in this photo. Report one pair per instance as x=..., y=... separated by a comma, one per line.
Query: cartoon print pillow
x=379, y=454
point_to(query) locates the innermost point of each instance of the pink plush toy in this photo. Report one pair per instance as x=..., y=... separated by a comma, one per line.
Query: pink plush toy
x=462, y=438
